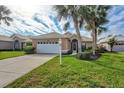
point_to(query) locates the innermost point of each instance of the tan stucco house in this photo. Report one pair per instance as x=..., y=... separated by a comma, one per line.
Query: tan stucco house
x=49, y=43
x=46, y=43
x=15, y=42
x=6, y=43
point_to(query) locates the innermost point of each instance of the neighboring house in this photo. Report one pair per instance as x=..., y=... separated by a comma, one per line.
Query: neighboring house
x=15, y=42
x=119, y=47
x=19, y=41
x=49, y=43
x=6, y=43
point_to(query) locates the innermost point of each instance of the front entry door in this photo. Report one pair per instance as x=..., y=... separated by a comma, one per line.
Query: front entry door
x=74, y=46
x=16, y=45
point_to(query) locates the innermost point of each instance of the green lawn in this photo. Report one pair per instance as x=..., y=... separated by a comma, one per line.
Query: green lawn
x=107, y=71
x=9, y=54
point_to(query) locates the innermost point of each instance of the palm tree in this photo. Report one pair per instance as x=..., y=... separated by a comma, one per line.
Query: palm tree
x=95, y=18
x=4, y=15
x=112, y=42
x=71, y=10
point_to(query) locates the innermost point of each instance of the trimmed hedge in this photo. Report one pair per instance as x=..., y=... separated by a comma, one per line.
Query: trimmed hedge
x=101, y=50
x=29, y=50
x=87, y=56
x=69, y=52
x=84, y=55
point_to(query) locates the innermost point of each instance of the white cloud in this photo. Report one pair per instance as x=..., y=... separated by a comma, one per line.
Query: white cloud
x=25, y=10
x=46, y=9
x=116, y=17
x=23, y=14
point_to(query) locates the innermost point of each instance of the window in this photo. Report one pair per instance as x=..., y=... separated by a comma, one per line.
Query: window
x=44, y=42
x=119, y=43
x=40, y=42
x=56, y=42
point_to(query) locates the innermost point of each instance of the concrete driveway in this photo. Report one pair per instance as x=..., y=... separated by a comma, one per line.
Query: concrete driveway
x=13, y=68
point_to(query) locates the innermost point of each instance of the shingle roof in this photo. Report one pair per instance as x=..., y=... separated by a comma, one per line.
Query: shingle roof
x=20, y=36
x=118, y=38
x=26, y=38
x=86, y=39
x=47, y=36
x=57, y=35
x=5, y=38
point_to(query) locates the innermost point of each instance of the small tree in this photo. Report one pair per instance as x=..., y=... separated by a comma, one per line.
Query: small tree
x=95, y=17
x=112, y=42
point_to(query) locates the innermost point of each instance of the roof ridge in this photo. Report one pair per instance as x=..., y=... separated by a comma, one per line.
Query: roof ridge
x=4, y=36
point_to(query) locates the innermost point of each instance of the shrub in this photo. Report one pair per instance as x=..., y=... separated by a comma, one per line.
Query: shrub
x=83, y=48
x=101, y=50
x=29, y=50
x=87, y=55
x=89, y=48
x=10, y=50
x=84, y=55
x=29, y=43
x=69, y=52
x=6, y=49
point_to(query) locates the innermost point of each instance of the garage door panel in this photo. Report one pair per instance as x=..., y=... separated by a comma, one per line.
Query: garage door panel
x=118, y=48
x=47, y=48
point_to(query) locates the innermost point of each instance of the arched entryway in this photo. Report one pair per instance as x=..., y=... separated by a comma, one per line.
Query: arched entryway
x=74, y=45
x=16, y=45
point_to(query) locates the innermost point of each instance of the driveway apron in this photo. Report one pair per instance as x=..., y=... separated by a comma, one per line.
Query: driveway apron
x=13, y=68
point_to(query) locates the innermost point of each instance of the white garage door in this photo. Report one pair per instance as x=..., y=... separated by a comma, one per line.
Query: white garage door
x=118, y=48
x=47, y=48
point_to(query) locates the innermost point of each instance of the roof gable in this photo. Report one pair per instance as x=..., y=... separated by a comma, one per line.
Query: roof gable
x=48, y=35
x=118, y=38
x=19, y=36
x=5, y=38
x=57, y=35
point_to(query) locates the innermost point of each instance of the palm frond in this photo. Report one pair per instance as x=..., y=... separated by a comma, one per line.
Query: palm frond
x=66, y=26
x=4, y=15
x=81, y=22
x=61, y=10
x=101, y=29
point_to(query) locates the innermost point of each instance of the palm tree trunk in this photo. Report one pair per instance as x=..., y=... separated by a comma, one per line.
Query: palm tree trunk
x=95, y=39
x=93, y=43
x=79, y=40
x=79, y=45
x=78, y=35
x=111, y=49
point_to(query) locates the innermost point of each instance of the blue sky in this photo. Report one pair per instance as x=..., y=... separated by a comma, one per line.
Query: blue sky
x=36, y=20
x=115, y=25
